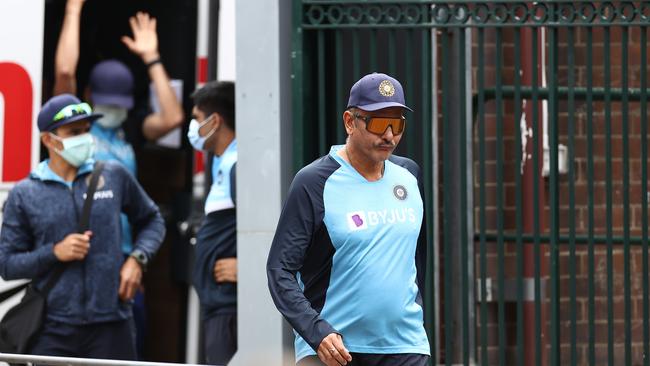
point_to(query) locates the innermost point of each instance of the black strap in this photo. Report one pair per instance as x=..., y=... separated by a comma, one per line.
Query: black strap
x=83, y=224
x=90, y=193
x=11, y=292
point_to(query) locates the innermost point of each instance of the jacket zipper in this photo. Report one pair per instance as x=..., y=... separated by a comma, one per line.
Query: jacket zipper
x=83, y=263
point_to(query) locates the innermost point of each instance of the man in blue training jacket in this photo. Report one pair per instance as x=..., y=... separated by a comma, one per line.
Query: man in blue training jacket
x=89, y=308
x=212, y=129
x=347, y=263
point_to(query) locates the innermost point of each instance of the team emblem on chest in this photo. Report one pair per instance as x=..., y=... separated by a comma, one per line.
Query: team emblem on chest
x=400, y=192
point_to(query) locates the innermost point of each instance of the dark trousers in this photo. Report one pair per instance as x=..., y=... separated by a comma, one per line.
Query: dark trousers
x=113, y=340
x=371, y=359
x=220, y=335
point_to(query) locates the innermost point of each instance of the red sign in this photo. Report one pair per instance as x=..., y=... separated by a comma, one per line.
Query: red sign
x=16, y=89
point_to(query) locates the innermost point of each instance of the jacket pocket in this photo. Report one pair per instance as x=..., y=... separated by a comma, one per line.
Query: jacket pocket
x=102, y=283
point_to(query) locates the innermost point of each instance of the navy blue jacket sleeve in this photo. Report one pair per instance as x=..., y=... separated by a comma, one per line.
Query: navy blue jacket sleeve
x=143, y=214
x=298, y=221
x=18, y=256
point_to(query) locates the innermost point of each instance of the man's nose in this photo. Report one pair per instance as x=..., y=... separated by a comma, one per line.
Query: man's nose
x=388, y=134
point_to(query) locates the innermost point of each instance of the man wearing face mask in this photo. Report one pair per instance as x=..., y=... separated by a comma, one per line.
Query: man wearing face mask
x=88, y=311
x=215, y=269
x=110, y=88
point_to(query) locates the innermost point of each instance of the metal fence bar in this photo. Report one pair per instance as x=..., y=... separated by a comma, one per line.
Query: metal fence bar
x=373, y=50
x=408, y=54
x=564, y=239
x=297, y=85
x=555, y=358
x=626, y=198
x=322, y=115
x=427, y=135
x=356, y=55
x=608, y=194
x=590, y=181
x=644, y=196
x=539, y=348
x=579, y=93
x=73, y=361
x=499, y=197
x=465, y=236
x=448, y=306
x=338, y=55
x=572, y=199
x=482, y=194
x=392, y=55
x=464, y=240
x=518, y=204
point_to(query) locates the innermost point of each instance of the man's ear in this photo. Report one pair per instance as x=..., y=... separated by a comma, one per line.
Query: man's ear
x=46, y=139
x=348, y=122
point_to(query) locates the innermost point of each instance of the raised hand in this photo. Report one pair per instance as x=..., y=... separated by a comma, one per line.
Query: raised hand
x=145, y=39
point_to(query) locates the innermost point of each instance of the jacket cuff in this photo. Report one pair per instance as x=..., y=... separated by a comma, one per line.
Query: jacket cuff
x=46, y=257
x=322, y=330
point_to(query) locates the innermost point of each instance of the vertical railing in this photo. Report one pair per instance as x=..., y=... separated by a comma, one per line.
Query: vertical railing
x=644, y=197
x=572, y=200
x=591, y=357
x=554, y=201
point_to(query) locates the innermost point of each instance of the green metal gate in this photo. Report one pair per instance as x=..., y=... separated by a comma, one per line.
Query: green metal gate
x=533, y=117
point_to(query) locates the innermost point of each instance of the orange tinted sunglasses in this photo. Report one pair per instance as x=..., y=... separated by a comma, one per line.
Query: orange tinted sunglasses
x=378, y=125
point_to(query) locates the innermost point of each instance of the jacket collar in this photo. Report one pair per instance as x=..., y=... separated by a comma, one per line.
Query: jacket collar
x=44, y=173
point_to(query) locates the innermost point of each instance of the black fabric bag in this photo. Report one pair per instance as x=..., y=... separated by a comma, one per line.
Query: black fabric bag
x=21, y=323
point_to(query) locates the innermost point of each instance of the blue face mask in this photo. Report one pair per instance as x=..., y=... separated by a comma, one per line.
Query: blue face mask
x=198, y=141
x=76, y=149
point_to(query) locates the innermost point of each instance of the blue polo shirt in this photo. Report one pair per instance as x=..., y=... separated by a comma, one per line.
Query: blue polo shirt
x=349, y=257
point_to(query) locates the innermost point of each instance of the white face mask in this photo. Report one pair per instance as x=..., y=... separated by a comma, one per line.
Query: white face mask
x=76, y=149
x=113, y=116
x=198, y=141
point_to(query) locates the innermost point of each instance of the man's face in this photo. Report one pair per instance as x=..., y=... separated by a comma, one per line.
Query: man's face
x=65, y=131
x=374, y=146
x=201, y=116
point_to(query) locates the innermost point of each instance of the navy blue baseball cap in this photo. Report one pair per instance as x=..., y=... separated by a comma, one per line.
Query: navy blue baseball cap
x=111, y=83
x=63, y=109
x=377, y=91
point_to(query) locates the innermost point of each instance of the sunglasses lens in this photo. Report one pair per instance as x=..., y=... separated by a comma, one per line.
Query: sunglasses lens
x=72, y=110
x=379, y=125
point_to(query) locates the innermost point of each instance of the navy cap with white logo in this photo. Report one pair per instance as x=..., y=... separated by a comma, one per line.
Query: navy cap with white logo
x=377, y=91
x=63, y=109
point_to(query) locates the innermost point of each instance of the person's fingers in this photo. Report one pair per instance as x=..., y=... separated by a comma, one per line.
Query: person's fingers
x=130, y=291
x=128, y=42
x=152, y=24
x=122, y=290
x=133, y=22
x=337, y=342
x=141, y=17
x=334, y=352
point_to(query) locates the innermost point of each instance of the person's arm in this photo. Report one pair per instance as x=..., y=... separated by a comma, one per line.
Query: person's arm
x=67, y=50
x=18, y=257
x=292, y=238
x=145, y=44
x=149, y=226
x=143, y=214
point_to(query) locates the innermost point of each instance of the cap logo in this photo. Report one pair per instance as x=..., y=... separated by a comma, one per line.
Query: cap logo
x=386, y=88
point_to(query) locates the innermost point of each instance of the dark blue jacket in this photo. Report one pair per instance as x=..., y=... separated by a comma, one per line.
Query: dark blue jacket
x=42, y=210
